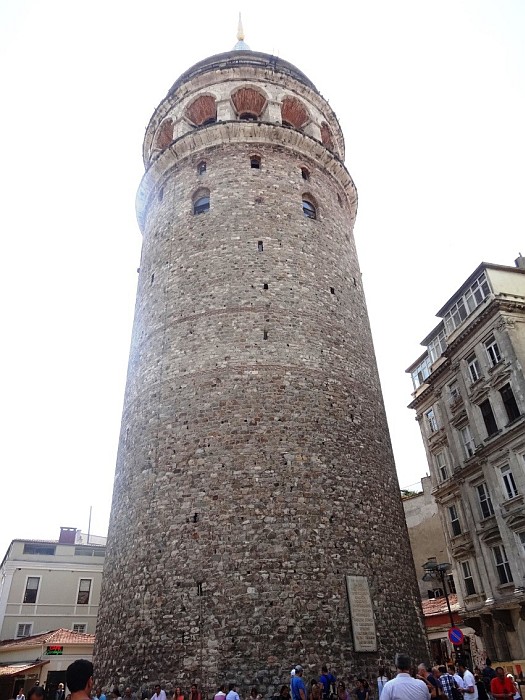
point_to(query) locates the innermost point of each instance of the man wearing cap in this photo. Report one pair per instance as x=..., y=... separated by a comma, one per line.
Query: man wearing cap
x=298, y=686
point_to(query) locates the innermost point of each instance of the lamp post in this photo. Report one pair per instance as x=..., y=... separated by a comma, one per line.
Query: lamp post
x=433, y=572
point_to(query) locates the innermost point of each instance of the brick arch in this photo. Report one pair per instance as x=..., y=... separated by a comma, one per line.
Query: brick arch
x=247, y=100
x=202, y=110
x=294, y=112
x=326, y=136
x=164, y=135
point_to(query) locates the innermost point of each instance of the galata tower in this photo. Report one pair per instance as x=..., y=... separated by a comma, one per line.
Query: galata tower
x=256, y=520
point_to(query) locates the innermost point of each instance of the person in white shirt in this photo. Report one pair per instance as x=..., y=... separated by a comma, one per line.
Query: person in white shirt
x=457, y=677
x=470, y=689
x=403, y=686
x=158, y=694
x=381, y=680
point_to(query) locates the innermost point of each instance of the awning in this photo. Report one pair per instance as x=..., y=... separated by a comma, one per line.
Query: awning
x=19, y=669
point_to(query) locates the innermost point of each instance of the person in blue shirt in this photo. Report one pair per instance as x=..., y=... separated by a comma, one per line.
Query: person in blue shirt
x=328, y=680
x=298, y=686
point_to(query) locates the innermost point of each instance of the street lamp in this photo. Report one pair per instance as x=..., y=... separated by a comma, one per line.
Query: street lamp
x=433, y=572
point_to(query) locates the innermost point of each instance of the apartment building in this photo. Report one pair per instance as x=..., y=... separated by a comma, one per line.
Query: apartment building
x=469, y=397
x=50, y=584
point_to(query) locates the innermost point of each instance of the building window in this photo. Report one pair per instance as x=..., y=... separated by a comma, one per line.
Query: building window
x=521, y=537
x=451, y=584
x=454, y=392
x=473, y=368
x=502, y=564
x=309, y=210
x=468, y=581
x=435, y=593
x=437, y=346
x=441, y=466
x=455, y=525
x=24, y=629
x=201, y=168
x=509, y=485
x=493, y=352
x=485, y=502
x=36, y=548
x=80, y=627
x=84, y=590
x=431, y=420
x=421, y=372
x=255, y=162
x=511, y=407
x=468, y=441
x=488, y=417
x=201, y=205
x=31, y=591
x=472, y=298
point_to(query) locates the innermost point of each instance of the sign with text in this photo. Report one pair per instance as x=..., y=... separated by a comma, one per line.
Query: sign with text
x=55, y=650
x=361, y=613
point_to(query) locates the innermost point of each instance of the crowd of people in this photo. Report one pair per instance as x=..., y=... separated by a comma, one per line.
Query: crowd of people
x=410, y=683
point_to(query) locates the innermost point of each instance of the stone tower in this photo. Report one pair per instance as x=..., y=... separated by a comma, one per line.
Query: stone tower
x=255, y=478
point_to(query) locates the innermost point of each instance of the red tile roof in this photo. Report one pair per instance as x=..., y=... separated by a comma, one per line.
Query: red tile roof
x=438, y=606
x=60, y=636
x=17, y=669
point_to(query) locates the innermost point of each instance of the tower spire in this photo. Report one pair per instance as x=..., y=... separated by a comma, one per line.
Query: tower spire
x=240, y=45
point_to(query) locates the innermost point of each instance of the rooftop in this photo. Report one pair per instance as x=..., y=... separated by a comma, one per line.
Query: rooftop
x=59, y=636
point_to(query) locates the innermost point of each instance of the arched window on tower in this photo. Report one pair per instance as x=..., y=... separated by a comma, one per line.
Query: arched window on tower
x=164, y=135
x=249, y=103
x=309, y=208
x=201, y=168
x=294, y=113
x=202, y=111
x=201, y=202
x=255, y=162
x=326, y=136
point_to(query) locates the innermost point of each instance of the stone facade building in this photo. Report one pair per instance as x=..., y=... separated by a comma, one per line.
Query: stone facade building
x=469, y=395
x=255, y=472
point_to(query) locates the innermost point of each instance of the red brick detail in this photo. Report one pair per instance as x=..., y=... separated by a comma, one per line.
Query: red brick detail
x=165, y=134
x=201, y=110
x=248, y=101
x=294, y=112
x=326, y=136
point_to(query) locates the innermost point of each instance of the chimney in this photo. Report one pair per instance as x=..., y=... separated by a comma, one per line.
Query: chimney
x=67, y=535
x=520, y=262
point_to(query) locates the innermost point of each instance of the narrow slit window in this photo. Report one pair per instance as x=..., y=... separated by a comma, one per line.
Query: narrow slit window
x=265, y=334
x=265, y=285
x=305, y=173
x=255, y=162
x=260, y=246
x=332, y=290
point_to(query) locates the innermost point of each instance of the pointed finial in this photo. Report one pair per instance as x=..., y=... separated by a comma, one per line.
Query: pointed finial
x=240, y=45
x=240, y=30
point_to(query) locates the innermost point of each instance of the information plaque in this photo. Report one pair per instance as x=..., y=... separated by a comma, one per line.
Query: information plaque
x=361, y=613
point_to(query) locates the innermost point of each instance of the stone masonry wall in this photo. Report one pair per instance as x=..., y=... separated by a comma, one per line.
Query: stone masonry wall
x=254, y=468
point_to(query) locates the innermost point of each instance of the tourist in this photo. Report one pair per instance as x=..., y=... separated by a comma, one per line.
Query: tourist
x=361, y=691
x=195, y=693
x=500, y=686
x=159, y=694
x=469, y=682
x=403, y=685
x=517, y=695
x=100, y=694
x=36, y=693
x=284, y=693
x=449, y=684
x=21, y=695
x=79, y=679
x=316, y=690
x=488, y=673
x=381, y=680
x=298, y=686
x=232, y=692
x=328, y=680
x=219, y=695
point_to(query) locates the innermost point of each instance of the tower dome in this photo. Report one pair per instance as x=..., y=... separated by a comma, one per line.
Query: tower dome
x=256, y=519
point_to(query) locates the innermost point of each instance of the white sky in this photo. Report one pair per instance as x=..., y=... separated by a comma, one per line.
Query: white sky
x=430, y=97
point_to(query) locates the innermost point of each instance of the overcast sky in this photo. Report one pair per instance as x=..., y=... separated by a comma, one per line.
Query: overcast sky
x=430, y=97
